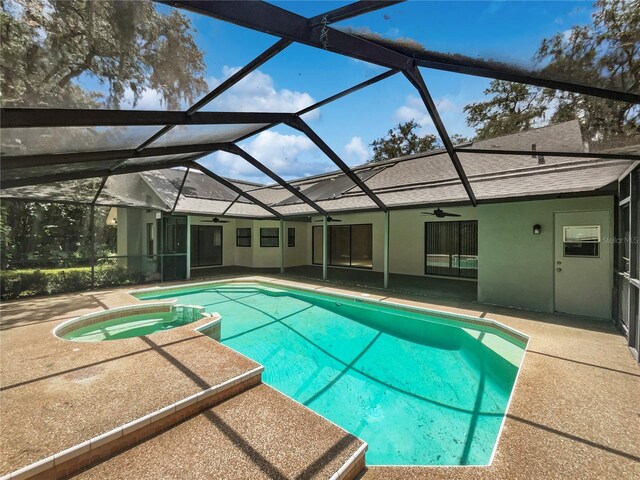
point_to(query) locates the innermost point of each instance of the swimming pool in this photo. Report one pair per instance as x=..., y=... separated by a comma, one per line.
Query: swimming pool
x=420, y=389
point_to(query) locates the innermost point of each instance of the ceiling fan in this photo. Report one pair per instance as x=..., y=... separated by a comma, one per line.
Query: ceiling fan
x=438, y=212
x=216, y=220
x=329, y=220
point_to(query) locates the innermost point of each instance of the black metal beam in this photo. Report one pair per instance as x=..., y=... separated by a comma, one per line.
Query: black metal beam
x=485, y=69
x=300, y=125
x=154, y=137
x=79, y=175
x=414, y=76
x=11, y=162
x=19, y=161
x=224, y=86
x=184, y=180
x=238, y=190
x=351, y=10
x=240, y=74
x=99, y=191
x=76, y=117
x=230, y=205
x=321, y=103
x=343, y=93
x=550, y=153
x=236, y=150
x=267, y=18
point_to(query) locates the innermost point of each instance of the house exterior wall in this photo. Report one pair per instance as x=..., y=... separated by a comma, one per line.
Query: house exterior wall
x=296, y=256
x=516, y=268
x=131, y=231
x=406, y=237
x=376, y=219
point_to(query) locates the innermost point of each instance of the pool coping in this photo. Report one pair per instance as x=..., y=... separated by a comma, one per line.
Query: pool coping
x=117, y=312
x=371, y=299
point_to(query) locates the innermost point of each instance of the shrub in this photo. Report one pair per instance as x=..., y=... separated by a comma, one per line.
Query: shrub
x=31, y=283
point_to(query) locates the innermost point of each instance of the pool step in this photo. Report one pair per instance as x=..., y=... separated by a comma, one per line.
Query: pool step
x=259, y=433
x=79, y=457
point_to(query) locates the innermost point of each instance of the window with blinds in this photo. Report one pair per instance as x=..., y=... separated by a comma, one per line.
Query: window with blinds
x=451, y=248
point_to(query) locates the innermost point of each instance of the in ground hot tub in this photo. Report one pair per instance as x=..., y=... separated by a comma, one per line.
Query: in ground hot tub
x=129, y=321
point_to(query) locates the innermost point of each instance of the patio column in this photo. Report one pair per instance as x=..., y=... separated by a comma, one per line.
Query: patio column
x=188, y=259
x=386, y=249
x=325, y=245
x=92, y=253
x=281, y=246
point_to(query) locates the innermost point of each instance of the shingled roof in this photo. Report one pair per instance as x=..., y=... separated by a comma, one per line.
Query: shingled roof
x=422, y=179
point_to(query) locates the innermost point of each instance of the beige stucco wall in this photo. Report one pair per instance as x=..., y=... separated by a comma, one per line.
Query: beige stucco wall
x=131, y=230
x=406, y=237
x=516, y=267
x=296, y=256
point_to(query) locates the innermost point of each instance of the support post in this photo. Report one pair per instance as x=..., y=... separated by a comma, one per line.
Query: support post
x=188, y=261
x=386, y=248
x=92, y=233
x=325, y=247
x=281, y=245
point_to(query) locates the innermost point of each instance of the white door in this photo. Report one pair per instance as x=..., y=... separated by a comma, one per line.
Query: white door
x=583, y=263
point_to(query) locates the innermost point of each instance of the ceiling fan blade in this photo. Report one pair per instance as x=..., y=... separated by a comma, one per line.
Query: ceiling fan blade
x=451, y=215
x=329, y=220
x=426, y=213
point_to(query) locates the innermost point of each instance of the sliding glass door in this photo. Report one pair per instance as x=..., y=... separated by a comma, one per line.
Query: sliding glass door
x=451, y=248
x=349, y=246
x=206, y=245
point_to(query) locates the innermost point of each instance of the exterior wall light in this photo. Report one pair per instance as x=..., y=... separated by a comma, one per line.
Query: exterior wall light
x=537, y=229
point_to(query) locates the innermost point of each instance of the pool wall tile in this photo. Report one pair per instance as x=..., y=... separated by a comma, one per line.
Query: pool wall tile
x=106, y=438
x=73, y=452
x=31, y=470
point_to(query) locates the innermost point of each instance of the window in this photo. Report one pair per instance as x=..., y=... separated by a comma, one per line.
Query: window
x=291, y=237
x=349, y=246
x=581, y=241
x=451, y=248
x=243, y=237
x=150, y=228
x=269, y=237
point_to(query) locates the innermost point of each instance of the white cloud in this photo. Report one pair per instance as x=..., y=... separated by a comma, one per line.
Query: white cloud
x=413, y=109
x=254, y=93
x=357, y=149
x=290, y=156
x=257, y=93
x=450, y=108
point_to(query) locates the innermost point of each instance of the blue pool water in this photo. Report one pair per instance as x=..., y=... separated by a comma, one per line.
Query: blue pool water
x=419, y=389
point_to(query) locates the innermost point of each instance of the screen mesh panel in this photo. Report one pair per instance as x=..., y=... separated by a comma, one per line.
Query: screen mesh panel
x=39, y=140
x=190, y=134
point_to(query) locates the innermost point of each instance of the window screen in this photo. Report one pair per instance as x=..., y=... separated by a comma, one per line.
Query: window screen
x=243, y=237
x=581, y=241
x=451, y=248
x=269, y=237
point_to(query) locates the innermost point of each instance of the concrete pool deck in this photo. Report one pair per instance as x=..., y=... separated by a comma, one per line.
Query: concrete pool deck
x=574, y=413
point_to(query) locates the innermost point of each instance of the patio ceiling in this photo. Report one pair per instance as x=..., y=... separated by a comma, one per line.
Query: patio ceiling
x=45, y=145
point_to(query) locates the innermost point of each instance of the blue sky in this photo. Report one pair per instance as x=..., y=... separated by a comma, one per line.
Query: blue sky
x=300, y=75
